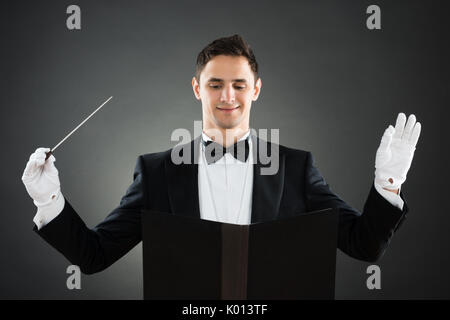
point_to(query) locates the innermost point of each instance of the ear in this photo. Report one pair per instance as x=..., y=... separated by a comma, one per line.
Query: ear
x=257, y=89
x=196, y=88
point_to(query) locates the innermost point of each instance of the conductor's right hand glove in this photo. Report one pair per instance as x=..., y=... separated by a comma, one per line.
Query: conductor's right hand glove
x=41, y=179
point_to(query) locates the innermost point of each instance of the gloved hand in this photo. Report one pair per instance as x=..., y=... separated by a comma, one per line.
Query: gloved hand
x=395, y=153
x=41, y=179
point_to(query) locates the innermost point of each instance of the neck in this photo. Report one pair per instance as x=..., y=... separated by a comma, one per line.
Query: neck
x=225, y=137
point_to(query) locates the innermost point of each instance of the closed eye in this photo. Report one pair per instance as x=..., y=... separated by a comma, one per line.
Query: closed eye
x=218, y=87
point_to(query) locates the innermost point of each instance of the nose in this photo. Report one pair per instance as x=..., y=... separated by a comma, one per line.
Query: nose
x=228, y=94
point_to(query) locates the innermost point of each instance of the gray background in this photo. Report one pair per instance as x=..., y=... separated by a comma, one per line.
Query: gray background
x=329, y=84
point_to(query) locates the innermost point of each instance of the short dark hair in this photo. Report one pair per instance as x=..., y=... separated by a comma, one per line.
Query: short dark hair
x=229, y=46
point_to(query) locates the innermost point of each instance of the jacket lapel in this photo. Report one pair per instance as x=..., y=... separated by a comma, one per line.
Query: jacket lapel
x=267, y=189
x=182, y=182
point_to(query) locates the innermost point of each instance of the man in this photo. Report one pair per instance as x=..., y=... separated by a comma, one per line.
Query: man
x=223, y=188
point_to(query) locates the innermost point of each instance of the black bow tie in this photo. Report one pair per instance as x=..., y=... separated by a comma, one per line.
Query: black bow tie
x=215, y=151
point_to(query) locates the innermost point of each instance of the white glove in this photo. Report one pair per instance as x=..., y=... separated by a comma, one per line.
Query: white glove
x=395, y=153
x=40, y=178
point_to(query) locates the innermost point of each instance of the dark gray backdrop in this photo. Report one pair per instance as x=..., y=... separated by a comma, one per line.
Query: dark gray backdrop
x=329, y=84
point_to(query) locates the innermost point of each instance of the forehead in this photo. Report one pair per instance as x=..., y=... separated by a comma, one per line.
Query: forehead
x=227, y=68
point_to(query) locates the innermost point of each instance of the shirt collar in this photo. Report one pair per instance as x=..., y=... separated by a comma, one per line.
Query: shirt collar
x=205, y=137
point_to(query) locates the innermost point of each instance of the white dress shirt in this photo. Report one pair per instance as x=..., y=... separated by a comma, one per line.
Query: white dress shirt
x=225, y=187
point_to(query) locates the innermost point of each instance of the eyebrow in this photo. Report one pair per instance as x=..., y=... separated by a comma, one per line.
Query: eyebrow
x=221, y=80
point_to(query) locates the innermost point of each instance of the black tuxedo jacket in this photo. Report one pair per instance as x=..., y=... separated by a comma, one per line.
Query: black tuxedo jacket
x=161, y=185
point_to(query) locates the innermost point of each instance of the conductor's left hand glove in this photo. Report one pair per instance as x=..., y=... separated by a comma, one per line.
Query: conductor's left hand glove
x=396, y=151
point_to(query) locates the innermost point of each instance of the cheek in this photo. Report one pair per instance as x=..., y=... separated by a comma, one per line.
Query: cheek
x=245, y=98
x=210, y=97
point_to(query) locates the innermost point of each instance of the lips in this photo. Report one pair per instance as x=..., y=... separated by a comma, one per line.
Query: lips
x=228, y=109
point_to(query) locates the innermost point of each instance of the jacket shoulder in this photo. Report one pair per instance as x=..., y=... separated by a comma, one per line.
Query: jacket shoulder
x=155, y=156
x=152, y=161
x=293, y=153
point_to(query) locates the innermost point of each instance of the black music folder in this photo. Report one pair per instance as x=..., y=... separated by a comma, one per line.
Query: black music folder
x=192, y=258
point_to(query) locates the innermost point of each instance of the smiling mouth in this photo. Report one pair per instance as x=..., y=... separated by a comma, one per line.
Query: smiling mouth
x=228, y=109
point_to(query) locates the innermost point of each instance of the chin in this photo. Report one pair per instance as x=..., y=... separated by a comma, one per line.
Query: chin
x=227, y=124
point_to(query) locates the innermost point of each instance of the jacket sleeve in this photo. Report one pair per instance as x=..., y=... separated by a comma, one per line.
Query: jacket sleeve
x=364, y=236
x=94, y=250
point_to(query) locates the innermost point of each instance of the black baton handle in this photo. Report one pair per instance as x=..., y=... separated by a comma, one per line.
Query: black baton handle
x=48, y=155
